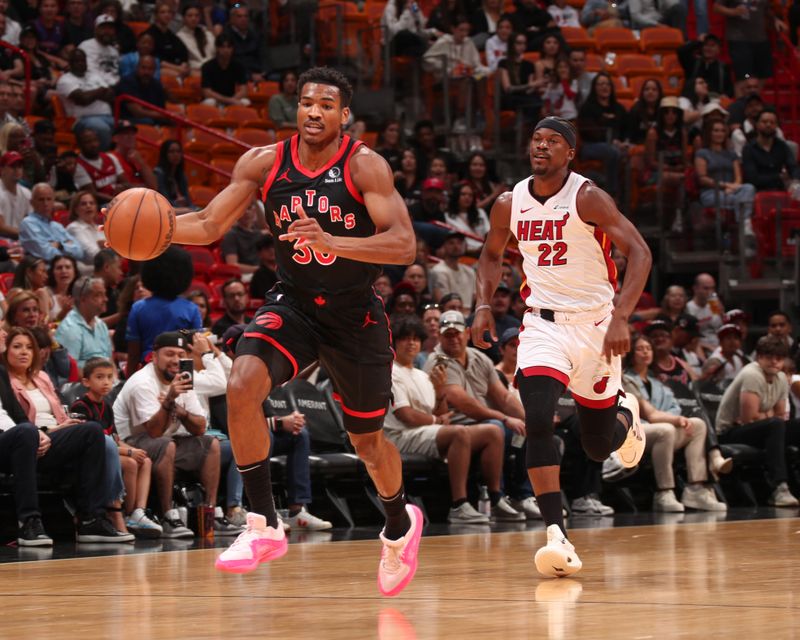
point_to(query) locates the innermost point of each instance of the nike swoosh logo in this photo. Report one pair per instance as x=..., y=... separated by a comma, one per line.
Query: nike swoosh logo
x=597, y=324
x=526, y=210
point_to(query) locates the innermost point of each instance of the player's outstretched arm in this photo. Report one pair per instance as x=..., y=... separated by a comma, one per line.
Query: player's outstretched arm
x=207, y=225
x=394, y=241
x=595, y=206
x=490, y=268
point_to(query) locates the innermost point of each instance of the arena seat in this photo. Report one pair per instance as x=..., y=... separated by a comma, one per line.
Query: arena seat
x=616, y=39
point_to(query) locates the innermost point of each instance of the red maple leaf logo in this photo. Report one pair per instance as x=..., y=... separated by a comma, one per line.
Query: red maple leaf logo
x=320, y=301
x=269, y=320
x=601, y=385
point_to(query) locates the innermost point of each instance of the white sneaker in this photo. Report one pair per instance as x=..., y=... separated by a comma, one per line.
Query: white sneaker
x=504, y=512
x=782, y=497
x=697, y=496
x=632, y=449
x=309, y=522
x=666, y=502
x=614, y=470
x=141, y=526
x=174, y=527
x=466, y=514
x=223, y=526
x=590, y=506
x=557, y=558
x=529, y=507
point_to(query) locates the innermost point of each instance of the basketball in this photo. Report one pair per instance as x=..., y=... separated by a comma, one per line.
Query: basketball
x=139, y=224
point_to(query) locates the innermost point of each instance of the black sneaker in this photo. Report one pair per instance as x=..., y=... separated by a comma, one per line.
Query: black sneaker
x=100, y=529
x=32, y=533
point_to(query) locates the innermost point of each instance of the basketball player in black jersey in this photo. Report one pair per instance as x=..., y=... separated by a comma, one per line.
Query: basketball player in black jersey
x=331, y=204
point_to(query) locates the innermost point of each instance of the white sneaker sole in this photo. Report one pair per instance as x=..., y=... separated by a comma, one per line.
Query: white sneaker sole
x=632, y=450
x=556, y=562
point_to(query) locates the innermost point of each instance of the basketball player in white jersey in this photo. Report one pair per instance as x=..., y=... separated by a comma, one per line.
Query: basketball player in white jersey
x=572, y=334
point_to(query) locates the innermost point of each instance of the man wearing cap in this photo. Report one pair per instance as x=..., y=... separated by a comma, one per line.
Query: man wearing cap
x=137, y=171
x=452, y=276
x=102, y=56
x=726, y=360
x=98, y=171
x=86, y=97
x=503, y=320
x=471, y=387
x=700, y=59
x=508, y=345
x=15, y=200
x=576, y=328
x=431, y=206
x=158, y=411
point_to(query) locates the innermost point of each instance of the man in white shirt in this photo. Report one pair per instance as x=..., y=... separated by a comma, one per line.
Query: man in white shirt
x=158, y=411
x=707, y=308
x=13, y=28
x=450, y=276
x=86, y=98
x=15, y=200
x=102, y=54
x=563, y=14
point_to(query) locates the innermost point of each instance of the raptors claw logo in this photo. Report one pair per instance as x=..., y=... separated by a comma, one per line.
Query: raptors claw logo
x=269, y=320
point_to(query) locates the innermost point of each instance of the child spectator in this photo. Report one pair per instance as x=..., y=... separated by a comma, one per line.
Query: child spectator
x=98, y=378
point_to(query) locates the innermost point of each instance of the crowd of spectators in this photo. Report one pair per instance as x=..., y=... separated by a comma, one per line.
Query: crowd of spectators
x=76, y=314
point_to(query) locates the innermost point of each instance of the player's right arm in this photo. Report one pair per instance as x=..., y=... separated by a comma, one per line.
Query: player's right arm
x=490, y=268
x=209, y=224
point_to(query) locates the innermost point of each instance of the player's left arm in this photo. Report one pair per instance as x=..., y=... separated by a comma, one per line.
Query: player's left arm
x=596, y=207
x=394, y=241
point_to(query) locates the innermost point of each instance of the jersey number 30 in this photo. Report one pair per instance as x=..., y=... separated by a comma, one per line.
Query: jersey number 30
x=552, y=255
x=305, y=255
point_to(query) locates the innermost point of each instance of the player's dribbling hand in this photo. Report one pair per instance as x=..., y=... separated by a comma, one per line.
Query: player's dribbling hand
x=618, y=339
x=308, y=233
x=481, y=323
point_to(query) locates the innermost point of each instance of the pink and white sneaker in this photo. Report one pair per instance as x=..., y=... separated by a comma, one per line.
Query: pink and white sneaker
x=256, y=544
x=399, y=557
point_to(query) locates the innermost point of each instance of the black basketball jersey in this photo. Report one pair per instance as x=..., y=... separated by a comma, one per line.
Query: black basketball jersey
x=327, y=194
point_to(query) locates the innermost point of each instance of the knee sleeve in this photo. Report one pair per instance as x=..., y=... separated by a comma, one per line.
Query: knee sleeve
x=601, y=432
x=540, y=396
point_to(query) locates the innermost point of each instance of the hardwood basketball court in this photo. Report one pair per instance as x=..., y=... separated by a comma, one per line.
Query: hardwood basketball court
x=734, y=579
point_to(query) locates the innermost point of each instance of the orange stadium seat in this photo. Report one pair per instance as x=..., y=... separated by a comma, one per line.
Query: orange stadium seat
x=254, y=137
x=661, y=40
x=223, y=164
x=634, y=64
x=616, y=39
x=202, y=113
x=201, y=195
x=578, y=38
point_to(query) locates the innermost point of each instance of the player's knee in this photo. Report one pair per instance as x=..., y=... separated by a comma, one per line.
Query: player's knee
x=367, y=445
x=596, y=447
x=249, y=383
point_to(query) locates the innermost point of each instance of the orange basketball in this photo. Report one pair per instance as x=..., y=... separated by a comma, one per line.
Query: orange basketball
x=139, y=223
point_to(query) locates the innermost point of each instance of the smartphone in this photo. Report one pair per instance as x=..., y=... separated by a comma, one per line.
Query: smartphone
x=186, y=367
x=441, y=359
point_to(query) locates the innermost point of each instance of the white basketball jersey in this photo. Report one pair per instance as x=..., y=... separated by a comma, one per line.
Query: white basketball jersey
x=567, y=262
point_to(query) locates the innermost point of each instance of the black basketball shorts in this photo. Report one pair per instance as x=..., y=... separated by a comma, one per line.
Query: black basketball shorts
x=350, y=338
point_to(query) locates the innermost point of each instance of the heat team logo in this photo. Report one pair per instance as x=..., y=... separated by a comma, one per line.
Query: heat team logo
x=601, y=385
x=334, y=175
x=270, y=320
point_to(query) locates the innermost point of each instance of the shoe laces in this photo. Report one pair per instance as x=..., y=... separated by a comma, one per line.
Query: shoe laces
x=246, y=537
x=392, y=557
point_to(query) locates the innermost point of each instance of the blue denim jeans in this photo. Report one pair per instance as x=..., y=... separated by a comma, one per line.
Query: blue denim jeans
x=233, y=479
x=741, y=200
x=115, y=487
x=700, y=14
x=514, y=481
x=298, y=472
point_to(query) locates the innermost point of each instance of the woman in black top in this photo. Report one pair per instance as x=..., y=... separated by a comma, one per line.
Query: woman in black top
x=388, y=145
x=172, y=182
x=666, y=146
x=518, y=81
x=643, y=113
x=602, y=122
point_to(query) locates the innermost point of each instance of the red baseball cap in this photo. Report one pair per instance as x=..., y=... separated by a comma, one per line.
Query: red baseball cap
x=433, y=183
x=9, y=158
